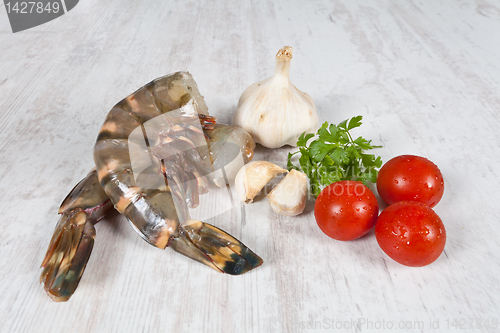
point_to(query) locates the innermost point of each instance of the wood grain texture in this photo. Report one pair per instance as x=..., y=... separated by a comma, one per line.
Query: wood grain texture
x=424, y=74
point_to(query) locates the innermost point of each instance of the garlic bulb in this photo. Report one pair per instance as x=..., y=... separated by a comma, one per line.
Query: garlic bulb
x=290, y=195
x=273, y=111
x=252, y=178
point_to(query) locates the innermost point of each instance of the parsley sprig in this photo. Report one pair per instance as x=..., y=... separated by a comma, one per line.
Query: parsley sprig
x=334, y=155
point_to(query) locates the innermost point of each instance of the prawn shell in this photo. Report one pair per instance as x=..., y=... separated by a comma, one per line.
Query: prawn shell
x=146, y=198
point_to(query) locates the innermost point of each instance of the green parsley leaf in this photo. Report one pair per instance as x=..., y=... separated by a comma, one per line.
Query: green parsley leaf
x=332, y=155
x=340, y=156
x=303, y=138
x=343, y=124
x=354, y=122
x=319, y=149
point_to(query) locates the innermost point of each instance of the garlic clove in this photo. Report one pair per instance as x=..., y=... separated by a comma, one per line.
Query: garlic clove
x=289, y=197
x=252, y=178
x=274, y=111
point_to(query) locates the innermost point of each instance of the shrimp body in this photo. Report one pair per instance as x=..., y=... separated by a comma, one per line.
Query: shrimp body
x=154, y=155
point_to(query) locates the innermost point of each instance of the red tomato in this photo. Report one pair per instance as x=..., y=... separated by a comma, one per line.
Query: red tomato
x=409, y=177
x=411, y=233
x=346, y=210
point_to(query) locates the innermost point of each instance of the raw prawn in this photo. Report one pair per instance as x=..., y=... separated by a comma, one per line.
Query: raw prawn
x=156, y=152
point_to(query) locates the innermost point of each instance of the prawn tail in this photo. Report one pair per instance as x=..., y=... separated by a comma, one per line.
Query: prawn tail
x=67, y=255
x=73, y=239
x=215, y=248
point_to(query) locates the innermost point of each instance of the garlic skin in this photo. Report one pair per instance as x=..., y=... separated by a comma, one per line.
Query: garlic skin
x=289, y=197
x=274, y=111
x=252, y=178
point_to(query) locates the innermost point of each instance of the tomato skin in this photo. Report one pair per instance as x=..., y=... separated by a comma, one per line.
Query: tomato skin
x=411, y=233
x=410, y=177
x=346, y=210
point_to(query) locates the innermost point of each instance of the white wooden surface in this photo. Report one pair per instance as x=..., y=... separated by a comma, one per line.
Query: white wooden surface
x=424, y=74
